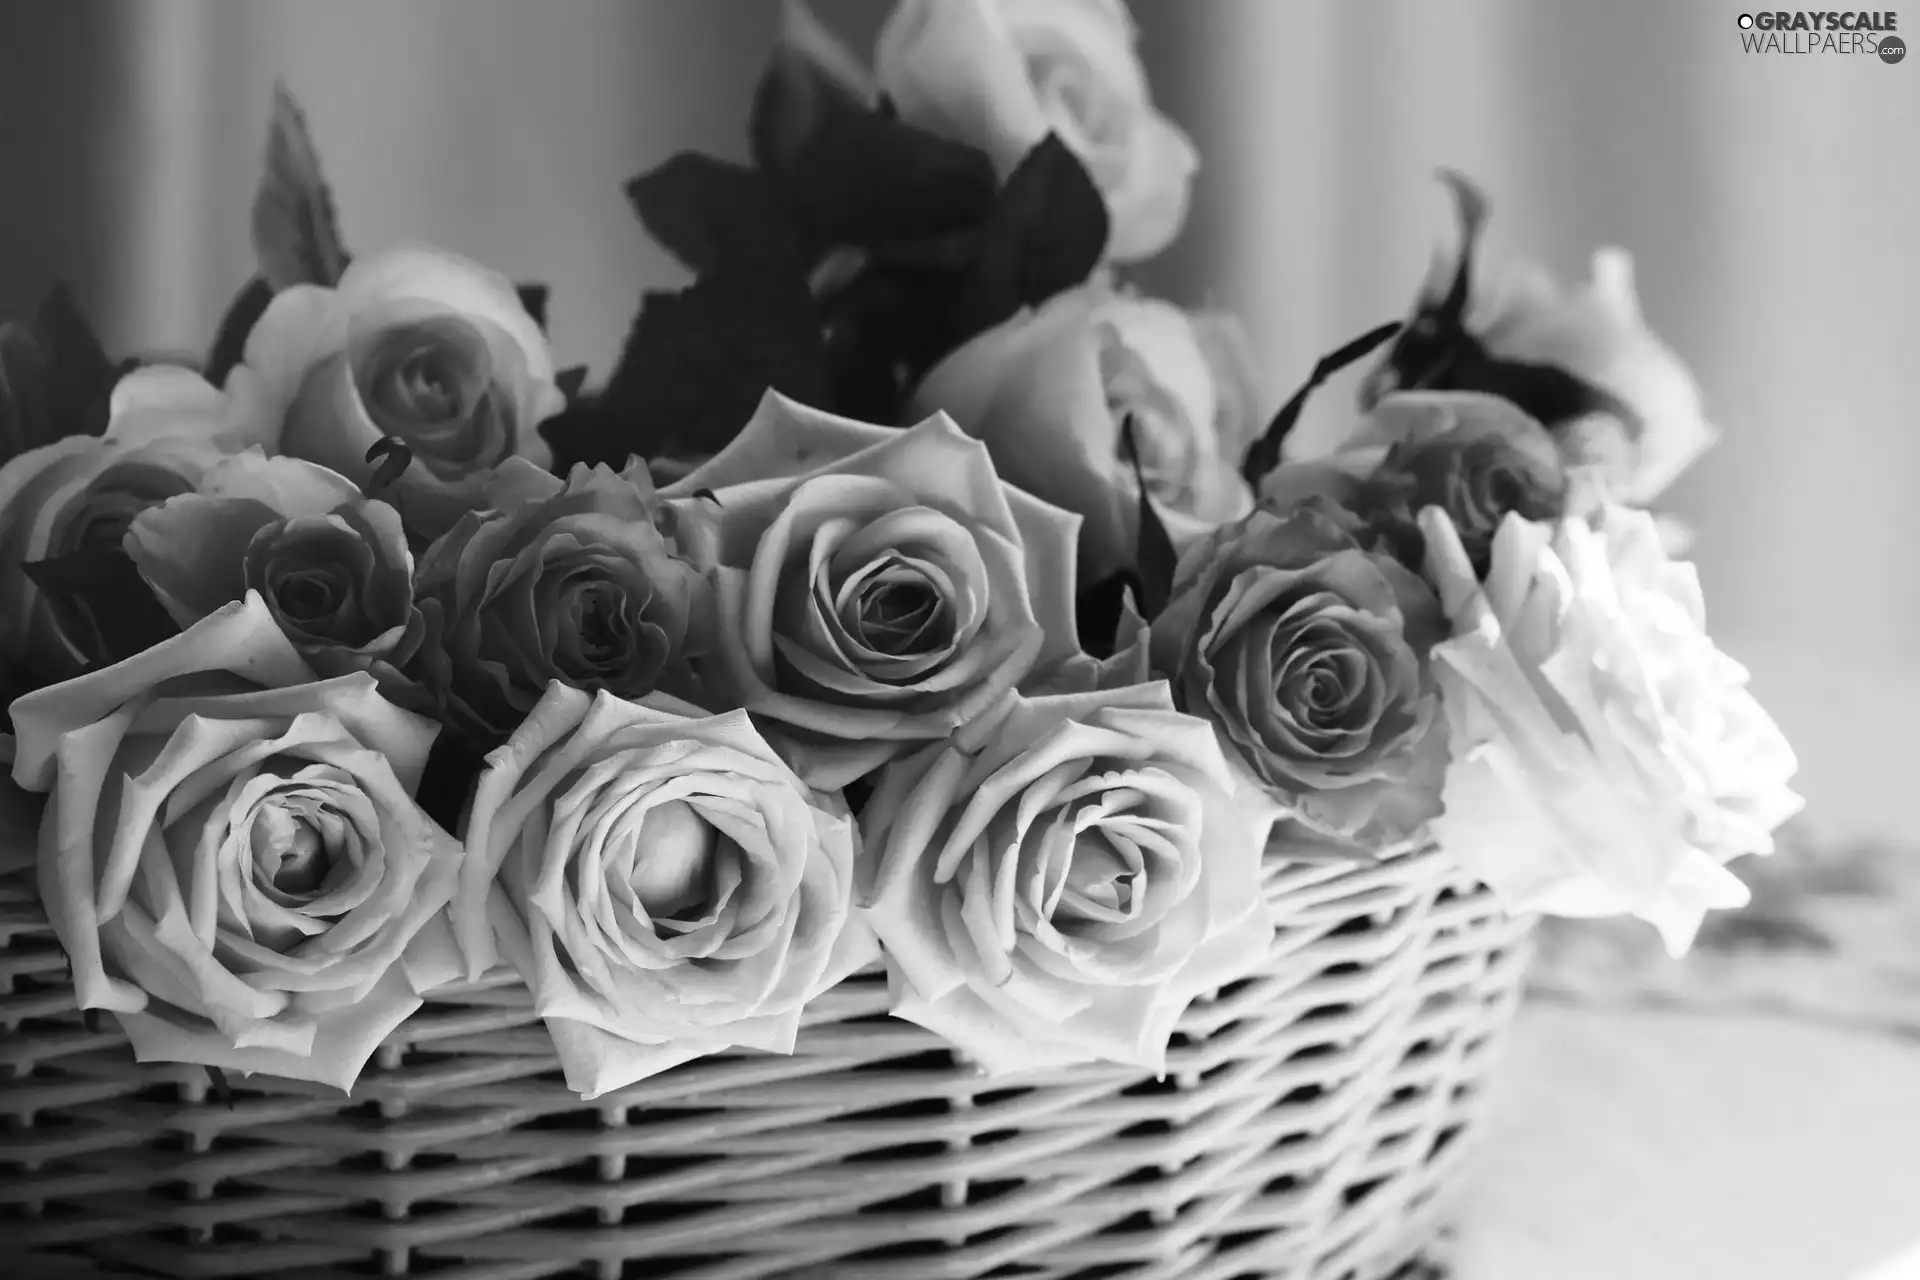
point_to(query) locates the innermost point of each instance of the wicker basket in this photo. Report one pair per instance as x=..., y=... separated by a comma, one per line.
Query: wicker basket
x=1310, y=1118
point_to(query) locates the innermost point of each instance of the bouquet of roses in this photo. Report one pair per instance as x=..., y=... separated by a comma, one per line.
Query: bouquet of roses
x=913, y=591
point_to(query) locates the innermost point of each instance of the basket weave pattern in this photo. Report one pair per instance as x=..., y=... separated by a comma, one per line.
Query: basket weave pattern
x=1310, y=1117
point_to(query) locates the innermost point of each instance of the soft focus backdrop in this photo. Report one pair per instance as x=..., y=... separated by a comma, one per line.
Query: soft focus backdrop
x=1770, y=202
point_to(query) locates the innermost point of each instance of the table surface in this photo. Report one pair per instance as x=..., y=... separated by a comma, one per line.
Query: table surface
x=1697, y=1145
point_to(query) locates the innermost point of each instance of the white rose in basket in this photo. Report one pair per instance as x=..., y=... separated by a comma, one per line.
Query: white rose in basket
x=1049, y=389
x=166, y=428
x=1057, y=885
x=663, y=883
x=1607, y=758
x=1001, y=74
x=231, y=854
x=413, y=343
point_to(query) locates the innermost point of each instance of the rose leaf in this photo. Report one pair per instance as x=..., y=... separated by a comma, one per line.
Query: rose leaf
x=853, y=175
x=570, y=381
x=584, y=433
x=1154, y=556
x=104, y=602
x=810, y=73
x=534, y=298
x=1047, y=233
x=230, y=341
x=1548, y=394
x=296, y=236
x=697, y=362
x=1263, y=455
x=26, y=417
x=709, y=212
x=55, y=378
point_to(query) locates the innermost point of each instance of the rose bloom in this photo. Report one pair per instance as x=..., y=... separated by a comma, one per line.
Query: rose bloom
x=1607, y=758
x=878, y=588
x=585, y=580
x=1049, y=389
x=1475, y=456
x=413, y=343
x=82, y=492
x=1307, y=652
x=331, y=565
x=1518, y=312
x=231, y=853
x=1002, y=74
x=1059, y=886
x=664, y=884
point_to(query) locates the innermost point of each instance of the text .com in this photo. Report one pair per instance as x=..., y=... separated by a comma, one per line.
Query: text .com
x=1830, y=32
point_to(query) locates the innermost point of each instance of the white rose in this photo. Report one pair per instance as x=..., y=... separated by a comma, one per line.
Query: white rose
x=666, y=887
x=1049, y=389
x=1001, y=74
x=231, y=854
x=1518, y=312
x=1607, y=758
x=876, y=588
x=1056, y=885
x=414, y=343
x=166, y=427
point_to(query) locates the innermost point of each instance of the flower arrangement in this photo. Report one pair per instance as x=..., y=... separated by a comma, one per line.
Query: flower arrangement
x=913, y=591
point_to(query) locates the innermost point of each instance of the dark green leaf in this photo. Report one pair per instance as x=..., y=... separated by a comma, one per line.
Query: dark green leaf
x=296, y=237
x=1263, y=455
x=570, y=381
x=710, y=212
x=534, y=298
x=697, y=362
x=103, y=603
x=585, y=433
x=1047, y=233
x=26, y=415
x=1154, y=557
x=854, y=175
x=810, y=72
x=230, y=342
x=80, y=377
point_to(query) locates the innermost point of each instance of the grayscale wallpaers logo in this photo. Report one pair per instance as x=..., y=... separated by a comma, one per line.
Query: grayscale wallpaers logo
x=1800, y=32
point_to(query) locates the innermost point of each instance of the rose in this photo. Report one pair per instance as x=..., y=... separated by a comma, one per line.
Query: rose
x=331, y=565
x=232, y=856
x=877, y=588
x=1644, y=423
x=79, y=494
x=585, y=580
x=1477, y=457
x=1049, y=390
x=1058, y=886
x=1308, y=654
x=1001, y=74
x=1607, y=757
x=413, y=343
x=665, y=885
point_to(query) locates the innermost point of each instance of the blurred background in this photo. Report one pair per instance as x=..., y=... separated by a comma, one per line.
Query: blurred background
x=1770, y=202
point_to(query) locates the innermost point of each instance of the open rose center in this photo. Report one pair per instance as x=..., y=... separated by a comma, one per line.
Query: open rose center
x=673, y=869
x=291, y=860
x=899, y=613
x=431, y=383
